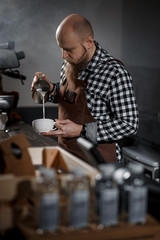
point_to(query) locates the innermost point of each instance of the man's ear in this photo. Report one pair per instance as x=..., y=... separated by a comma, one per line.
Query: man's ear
x=89, y=42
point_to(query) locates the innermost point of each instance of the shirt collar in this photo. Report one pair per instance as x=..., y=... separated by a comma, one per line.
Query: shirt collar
x=99, y=56
x=95, y=59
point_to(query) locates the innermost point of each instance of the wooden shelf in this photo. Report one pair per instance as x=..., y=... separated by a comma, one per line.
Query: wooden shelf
x=150, y=230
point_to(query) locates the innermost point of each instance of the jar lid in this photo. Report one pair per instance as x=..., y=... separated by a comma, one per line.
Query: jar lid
x=78, y=172
x=121, y=175
x=107, y=169
x=47, y=173
x=135, y=168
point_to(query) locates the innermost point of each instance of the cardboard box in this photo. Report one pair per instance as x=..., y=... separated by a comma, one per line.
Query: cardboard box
x=12, y=187
x=61, y=160
x=14, y=156
x=6, y=218
x=16, y=193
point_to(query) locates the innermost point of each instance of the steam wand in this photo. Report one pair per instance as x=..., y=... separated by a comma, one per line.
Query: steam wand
x=14, y=74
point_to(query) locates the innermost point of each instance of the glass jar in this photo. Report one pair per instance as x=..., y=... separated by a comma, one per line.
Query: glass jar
x=121, y=178
x=106, y=196
x=78, y=191
x=137, y=194
x=48, y=195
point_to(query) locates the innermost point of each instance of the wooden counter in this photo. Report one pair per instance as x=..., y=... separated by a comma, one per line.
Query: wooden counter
x=124, y=231
x=35, y=139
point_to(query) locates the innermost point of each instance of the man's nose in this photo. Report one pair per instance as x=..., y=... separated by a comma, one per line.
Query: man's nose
x=64, y=54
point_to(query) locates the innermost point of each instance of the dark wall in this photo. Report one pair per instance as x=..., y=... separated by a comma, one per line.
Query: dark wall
x=140, y=51
x=28, y=114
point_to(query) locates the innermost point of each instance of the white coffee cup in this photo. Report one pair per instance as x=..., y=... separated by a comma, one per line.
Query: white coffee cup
x=3, y=120
x=43, y=125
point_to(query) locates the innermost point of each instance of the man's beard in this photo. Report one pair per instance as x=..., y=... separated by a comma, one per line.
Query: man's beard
x=72, y=70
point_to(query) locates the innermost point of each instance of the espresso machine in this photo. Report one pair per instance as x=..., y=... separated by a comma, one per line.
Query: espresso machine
x=146, y=156
x=9, y=60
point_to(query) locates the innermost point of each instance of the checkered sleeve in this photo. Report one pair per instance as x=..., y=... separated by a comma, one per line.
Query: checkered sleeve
x=122, y=117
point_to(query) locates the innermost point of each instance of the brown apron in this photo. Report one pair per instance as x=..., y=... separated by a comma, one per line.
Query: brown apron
x=73, y=106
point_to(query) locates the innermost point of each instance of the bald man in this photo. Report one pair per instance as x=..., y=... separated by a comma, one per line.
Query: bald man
x=95, y=93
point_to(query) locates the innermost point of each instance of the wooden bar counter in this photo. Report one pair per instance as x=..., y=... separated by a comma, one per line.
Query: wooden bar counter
x=35, y=139
x=123, y=231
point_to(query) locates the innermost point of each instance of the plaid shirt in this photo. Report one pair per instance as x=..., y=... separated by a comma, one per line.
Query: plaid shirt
x=110, y=97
